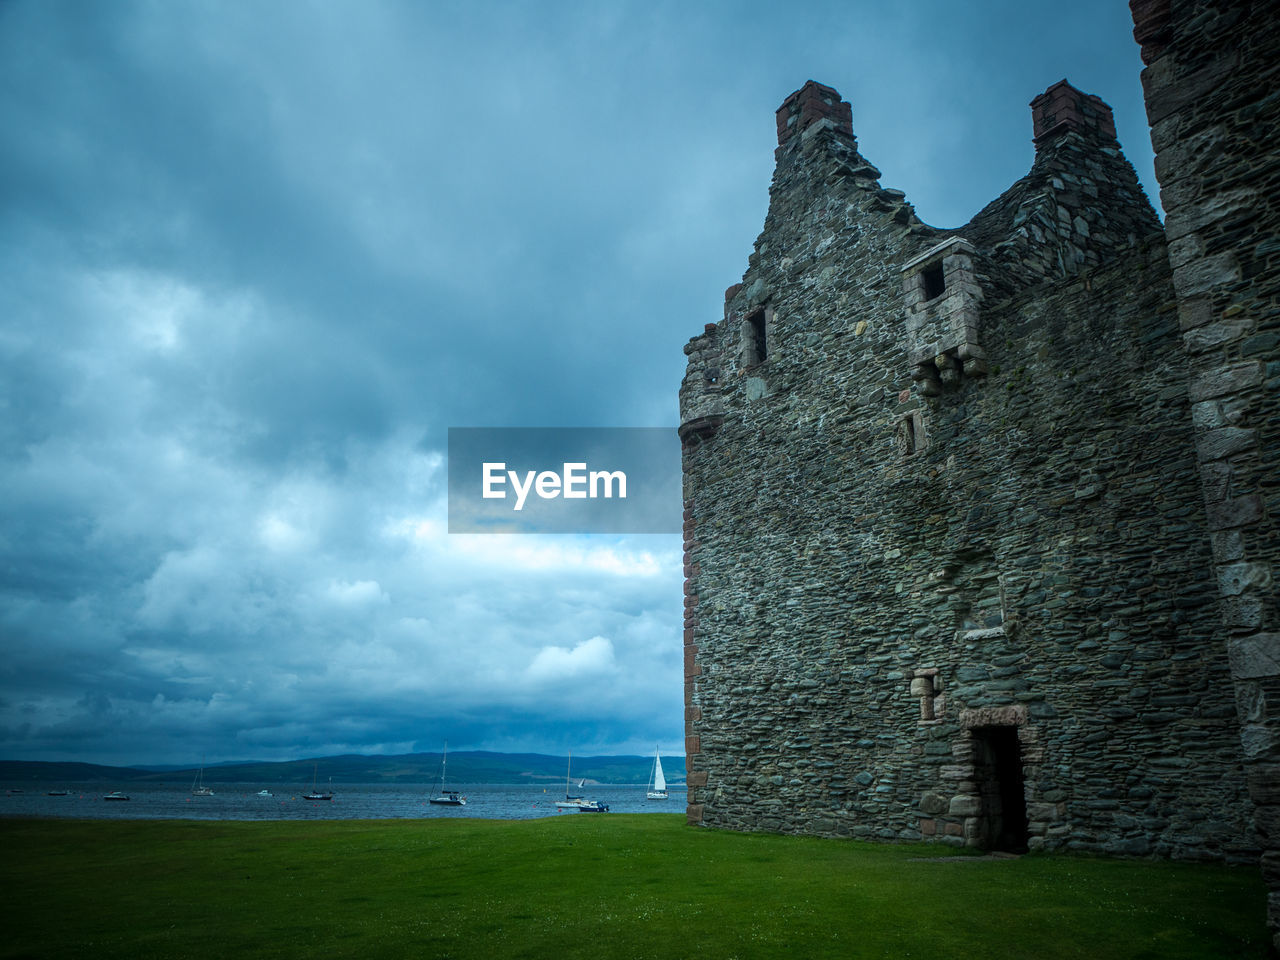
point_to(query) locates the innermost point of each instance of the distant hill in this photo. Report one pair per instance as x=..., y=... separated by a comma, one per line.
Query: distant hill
x=476, y=766
x=64, y=772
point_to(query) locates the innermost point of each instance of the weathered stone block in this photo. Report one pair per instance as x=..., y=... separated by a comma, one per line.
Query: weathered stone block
x=1264, y=784
x=1212, y=336
x=1224, y=442
x=1226, y=380
x=1236, y=578
x=933, y=803
x=1251, y=703
x=1243, y=612
x=1257, y=742
x=1045, y=812
x=1194, y=312
x=1237, y=512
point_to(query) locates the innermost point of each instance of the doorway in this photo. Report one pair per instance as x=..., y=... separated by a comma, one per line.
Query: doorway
x=997, y=762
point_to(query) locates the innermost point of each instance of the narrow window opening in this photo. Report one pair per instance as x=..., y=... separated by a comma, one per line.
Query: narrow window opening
x=926, y=685
x=998, y=772
x=713, y=377
x=758, y=339
x=975, y=594
x=907, y=437
x=932, y=279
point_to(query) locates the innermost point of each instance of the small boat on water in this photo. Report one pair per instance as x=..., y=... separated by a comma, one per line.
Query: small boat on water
x=569, y=802
x=579, y=803
x=315, y=794
x=57, y=793
x=447, y=798
x=116, y=795
x=198, y=789
x=265, y=793
x=657, y=782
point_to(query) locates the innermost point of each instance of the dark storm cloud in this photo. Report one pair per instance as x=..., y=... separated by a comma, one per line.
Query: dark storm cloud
x=257, y=258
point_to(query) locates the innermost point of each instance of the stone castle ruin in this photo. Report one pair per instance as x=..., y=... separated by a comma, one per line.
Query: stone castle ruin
x=979, y=522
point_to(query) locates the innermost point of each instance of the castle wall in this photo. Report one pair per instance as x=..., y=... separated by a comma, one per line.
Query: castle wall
x=943, y=516
x=1213, y=102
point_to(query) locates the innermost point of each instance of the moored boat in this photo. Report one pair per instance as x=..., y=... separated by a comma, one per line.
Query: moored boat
x=315, y=793
x=579, y=803
x=569, y=802
x=657, y=782
x=443, y=797
x=198, y=789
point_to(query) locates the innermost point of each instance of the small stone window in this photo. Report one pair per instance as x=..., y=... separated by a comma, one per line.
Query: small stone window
x=909, y=435
x=757, y=338
x=712, y=376
x=926, y=685
x=971, y=588
x=932, y=281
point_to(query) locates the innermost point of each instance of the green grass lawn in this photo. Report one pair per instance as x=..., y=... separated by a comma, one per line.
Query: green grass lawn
x=598, y=887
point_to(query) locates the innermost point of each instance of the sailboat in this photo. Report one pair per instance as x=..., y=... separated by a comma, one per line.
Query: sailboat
x=198, y=789
x=570, y=802
x=657, y=782
x=315, y=794
x=578, y=803
x=447, y=798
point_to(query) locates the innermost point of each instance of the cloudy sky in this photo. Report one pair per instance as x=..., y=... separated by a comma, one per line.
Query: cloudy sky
x=257, y=258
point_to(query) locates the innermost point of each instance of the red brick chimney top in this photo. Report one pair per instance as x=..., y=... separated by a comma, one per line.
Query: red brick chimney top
x=811, y=103
x=1062, y=107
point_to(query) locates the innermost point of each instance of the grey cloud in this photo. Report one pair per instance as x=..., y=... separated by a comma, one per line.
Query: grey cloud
x=257, y=259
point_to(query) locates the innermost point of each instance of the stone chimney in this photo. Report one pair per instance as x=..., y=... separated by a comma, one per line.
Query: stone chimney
x=1062, y=107
x=812, y=103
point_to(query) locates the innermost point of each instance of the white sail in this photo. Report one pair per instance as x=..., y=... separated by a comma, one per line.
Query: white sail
x=659, y=781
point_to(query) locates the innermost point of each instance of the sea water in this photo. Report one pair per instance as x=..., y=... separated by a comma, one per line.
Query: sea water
x=351, y=801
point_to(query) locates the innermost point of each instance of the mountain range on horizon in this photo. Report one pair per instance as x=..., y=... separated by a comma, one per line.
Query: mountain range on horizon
x=464, y=767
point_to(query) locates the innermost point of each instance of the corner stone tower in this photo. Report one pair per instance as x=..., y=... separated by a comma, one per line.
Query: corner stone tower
x=948, y=570
x=1213, y=102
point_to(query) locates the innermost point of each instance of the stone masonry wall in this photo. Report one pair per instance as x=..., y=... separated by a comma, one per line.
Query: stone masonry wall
x=1212, y=86
x=941, y=489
